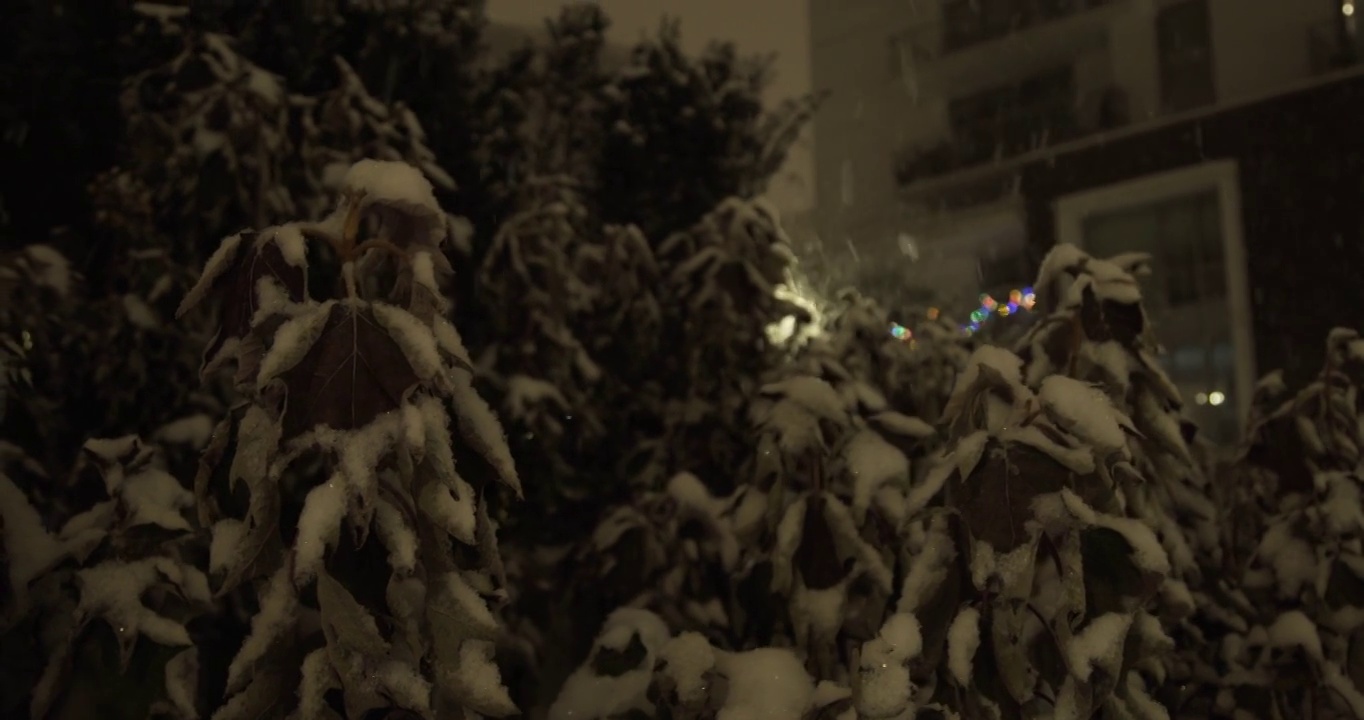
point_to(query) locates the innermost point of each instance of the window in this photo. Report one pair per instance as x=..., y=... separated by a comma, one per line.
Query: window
x=1196, y=296
x=970, y=22
x=1184, y=47
x=1185, y=237
x=1013, y=119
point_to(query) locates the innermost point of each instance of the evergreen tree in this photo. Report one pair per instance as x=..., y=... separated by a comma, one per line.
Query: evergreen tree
x=702, y=119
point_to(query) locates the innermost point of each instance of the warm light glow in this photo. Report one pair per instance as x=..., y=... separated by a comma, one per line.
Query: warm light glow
x=1348, y=9
x=1216, y=398
x=1201, y=398
x=788, y=330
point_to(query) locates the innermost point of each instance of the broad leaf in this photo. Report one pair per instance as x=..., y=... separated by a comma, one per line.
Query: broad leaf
x=351, y=373
x=995, y=500
x=234, y=274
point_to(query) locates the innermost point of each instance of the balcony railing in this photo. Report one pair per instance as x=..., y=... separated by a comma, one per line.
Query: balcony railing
x=1020, y=130
x=967, y=23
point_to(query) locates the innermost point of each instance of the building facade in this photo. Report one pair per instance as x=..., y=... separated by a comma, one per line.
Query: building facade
x=1201, y=131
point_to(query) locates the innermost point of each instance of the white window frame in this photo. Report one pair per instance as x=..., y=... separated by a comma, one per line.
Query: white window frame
x=1221, y=176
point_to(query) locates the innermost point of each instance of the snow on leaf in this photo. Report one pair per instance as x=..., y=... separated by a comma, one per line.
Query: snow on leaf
x=456, y=610
x=413, y=336
x=228, y=534
x=397, y=536
x=927, y=567
x=353, y=372
x=278, y=610
x=1295, y=629
x=765, y=683
x=319, y=526
x=139, y=313
x=872, y=462
x=1099, y=644
x=901, y=424
x=182, y=682
x=968, y=451
x=113, y=590
x=450, y=342
x=318, y=678
x=883, y=687
x=452, y=507
x=1145, y=548
x=963, y=639
x=234, y=273
x=812, y=394
x=191, y=430
x=395, y=184
x=476, y=682
x=1083, y=409
x=688, y=658
x=154, y=497
x=49, y=268
x=481, y=429
x=116, y=458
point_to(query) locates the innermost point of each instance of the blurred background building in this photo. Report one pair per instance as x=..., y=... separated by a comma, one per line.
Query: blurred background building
x=964, y=137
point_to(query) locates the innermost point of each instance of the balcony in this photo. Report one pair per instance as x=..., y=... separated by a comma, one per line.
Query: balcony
x=946, y=55
x=1040, y=119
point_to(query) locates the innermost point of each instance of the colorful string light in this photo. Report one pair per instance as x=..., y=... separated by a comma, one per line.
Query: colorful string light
x=1019, y=301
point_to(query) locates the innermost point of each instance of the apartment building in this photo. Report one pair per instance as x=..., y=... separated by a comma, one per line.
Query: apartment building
x=964, y=137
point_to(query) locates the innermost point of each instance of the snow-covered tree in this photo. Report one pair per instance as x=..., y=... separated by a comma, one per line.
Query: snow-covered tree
x=733, y=145
x=352, y=415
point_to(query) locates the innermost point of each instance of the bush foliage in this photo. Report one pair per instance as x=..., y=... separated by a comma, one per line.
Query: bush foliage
x=356, y=372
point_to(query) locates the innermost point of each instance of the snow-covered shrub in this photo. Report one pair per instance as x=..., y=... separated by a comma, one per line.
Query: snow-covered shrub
x=352, y=414
x=1096, y=330
x=1030, y=583
x=101, y=582
x=639, y=669
x=1300, y=552
x=1093, y=328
